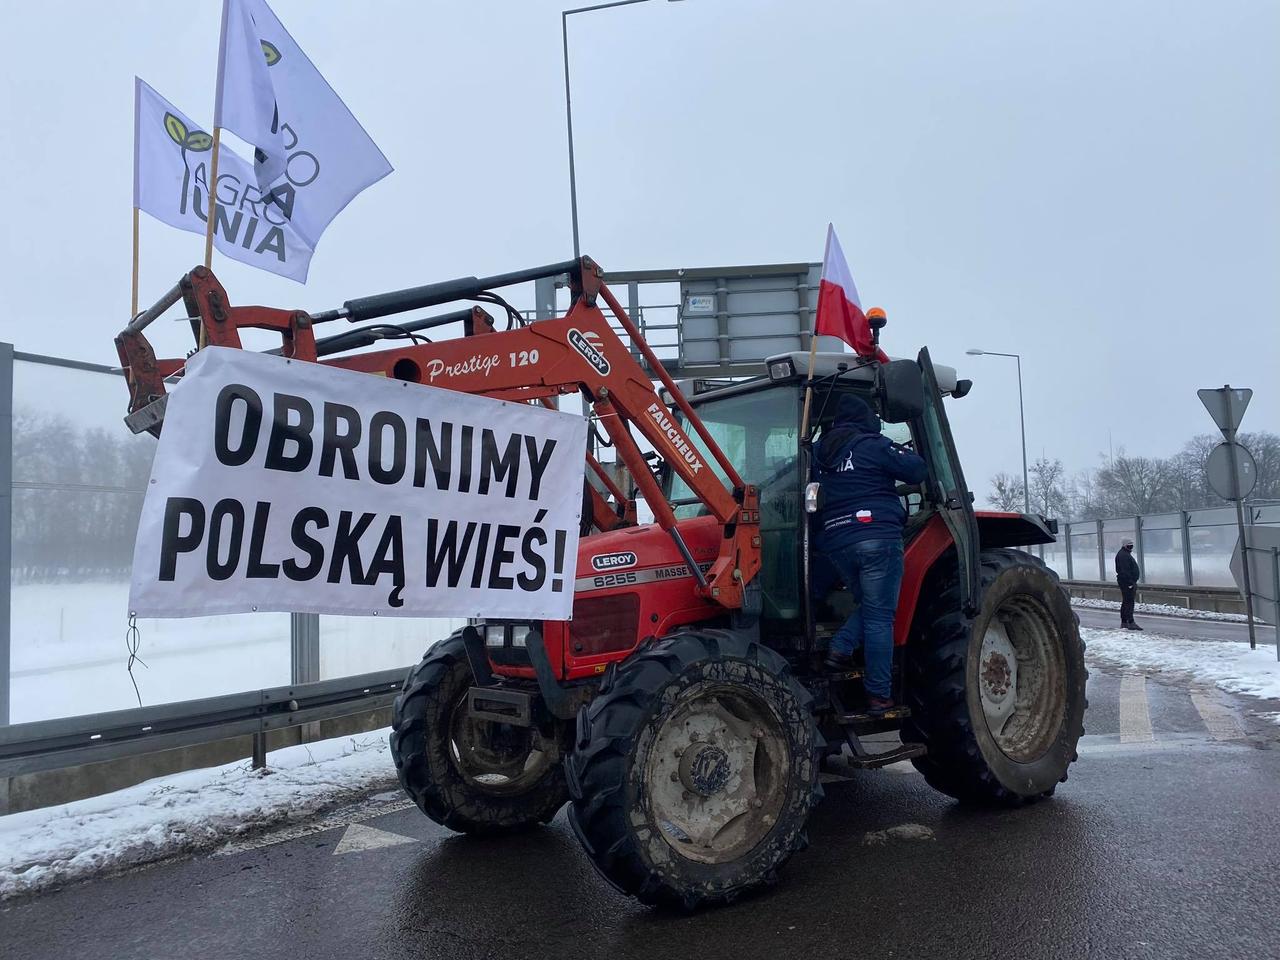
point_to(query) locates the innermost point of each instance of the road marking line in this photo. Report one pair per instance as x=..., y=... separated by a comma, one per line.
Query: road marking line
x=376, y=806
x=1135, y=717
x=1218, y=720
x=1102, y=746
x=359, y=838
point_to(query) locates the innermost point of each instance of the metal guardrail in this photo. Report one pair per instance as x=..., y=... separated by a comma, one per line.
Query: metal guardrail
x=72, y=741
x=1218, y=599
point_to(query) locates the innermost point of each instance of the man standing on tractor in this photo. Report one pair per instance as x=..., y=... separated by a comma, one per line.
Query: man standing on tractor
x=1127, y=576
x=862, y=521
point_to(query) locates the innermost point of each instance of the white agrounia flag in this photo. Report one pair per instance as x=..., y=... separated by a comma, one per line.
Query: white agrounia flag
x=171, y=167
x=310, y=150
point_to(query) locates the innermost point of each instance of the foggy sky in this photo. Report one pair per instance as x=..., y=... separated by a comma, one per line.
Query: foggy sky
x=1093, y=185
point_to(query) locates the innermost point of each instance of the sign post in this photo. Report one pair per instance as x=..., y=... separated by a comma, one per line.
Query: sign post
x=1227, y=407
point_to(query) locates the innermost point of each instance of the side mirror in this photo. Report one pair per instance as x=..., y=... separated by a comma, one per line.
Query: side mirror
x=901, y=391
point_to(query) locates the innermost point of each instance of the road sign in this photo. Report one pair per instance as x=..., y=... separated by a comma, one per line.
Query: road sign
x=1218, y=471
x=1263, y=570
x=1226, y=405
x=732, y=318
x=1231, y=470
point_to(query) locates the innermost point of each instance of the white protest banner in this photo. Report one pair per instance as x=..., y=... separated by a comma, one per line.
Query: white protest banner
x=171, y=183
x=280, y=485
x=311, y=152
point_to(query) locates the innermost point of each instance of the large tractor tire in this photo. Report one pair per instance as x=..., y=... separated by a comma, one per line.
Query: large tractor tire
x=999, y=700
x=694, y=770
x=470, y=775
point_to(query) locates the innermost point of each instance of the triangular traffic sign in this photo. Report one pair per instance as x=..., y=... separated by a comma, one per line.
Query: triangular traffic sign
x=1226, y=416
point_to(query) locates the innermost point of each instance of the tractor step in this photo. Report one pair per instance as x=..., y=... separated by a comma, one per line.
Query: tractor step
x=853, y=673
x=905, y=751
x=874, y=722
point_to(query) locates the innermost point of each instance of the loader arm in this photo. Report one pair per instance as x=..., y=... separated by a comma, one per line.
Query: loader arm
x=578, y=353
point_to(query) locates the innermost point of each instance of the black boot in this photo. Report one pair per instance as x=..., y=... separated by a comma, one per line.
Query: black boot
x=838, y=662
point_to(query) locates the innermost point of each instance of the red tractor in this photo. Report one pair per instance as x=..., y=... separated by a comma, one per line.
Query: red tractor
x=684, y=711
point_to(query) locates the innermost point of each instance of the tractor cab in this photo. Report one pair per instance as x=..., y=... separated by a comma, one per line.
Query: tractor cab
x=759, y=424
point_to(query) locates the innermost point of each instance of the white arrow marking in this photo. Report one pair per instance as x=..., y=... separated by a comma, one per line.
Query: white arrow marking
x=360, y=838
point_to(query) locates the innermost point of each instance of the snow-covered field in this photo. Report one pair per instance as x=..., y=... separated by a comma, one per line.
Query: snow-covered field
x=69, y=655
x=1233, y=667
x=1162, y=609
x=183, y=812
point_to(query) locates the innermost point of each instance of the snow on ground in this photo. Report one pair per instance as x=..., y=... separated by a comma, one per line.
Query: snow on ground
x=1162, y=609
x=187, y=811
x=1231, y=666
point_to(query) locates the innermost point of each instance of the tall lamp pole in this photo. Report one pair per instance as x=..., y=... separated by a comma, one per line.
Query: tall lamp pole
x=1026, y=486
x=568, y=105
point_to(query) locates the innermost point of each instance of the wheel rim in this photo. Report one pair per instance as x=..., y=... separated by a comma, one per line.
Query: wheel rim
x=1022, y=679
x=717, y=773
x=496, y=758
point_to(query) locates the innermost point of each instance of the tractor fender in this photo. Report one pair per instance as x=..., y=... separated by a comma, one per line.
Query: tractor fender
x=1014, y=529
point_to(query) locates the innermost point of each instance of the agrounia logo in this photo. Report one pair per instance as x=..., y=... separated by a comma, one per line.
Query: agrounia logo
x=591, y=352
x=196, y=140
x=613, y=561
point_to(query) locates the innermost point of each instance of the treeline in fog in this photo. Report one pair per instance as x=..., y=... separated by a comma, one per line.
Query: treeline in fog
x=1124, y=486
x=76, y=499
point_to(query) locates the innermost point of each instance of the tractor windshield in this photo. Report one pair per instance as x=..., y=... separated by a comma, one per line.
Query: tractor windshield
x=758, y=432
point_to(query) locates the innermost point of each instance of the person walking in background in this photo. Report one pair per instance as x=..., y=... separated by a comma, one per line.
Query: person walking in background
x=1127, y=577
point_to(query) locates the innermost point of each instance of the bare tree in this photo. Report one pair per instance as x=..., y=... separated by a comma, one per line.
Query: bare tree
x=1006, y=492
x=1139, y=484
x=1047, y=494
x=1265, y=448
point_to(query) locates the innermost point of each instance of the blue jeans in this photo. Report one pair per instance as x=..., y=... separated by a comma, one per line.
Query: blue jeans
x=872, y=570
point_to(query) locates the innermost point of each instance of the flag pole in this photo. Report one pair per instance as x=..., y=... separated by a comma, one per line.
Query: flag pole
x=808, y=383
x=212, y=186
x=133, y=309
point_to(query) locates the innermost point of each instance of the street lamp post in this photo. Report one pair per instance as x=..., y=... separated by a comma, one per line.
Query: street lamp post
x=1022, y=419
x=568, y=105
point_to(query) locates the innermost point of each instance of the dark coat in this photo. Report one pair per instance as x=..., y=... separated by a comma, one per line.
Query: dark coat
x=1127, y=572
x=858, y=468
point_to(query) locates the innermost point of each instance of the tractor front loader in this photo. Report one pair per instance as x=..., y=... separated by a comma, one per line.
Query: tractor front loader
x=683, y=711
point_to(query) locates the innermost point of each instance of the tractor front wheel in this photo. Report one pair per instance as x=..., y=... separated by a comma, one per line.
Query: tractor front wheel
x=470, y=775
x=998, y=699
x=694, y=770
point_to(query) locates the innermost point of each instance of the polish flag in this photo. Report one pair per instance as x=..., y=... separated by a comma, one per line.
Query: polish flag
x=839, y=309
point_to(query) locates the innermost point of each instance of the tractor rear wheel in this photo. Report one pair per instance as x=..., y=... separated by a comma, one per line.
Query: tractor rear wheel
x=473, y=776
x=695, y=769
x=999, y=700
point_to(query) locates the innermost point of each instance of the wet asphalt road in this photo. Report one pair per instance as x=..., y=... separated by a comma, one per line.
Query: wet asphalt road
x=1161, y=844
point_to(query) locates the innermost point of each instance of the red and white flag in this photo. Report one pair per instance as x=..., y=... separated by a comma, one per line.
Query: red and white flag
x=839, y=309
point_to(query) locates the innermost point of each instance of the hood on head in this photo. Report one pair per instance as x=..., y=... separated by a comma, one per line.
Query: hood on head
x=854, y=412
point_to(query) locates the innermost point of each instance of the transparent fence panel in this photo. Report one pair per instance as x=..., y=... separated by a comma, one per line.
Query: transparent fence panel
x=353, y=645
x=1213, y=537
x=1055, y=555
x=1084, y=553
x=78, y=482
x=1162, y=549
x=1267, y=515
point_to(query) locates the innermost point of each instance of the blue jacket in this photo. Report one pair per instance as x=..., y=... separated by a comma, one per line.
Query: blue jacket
x=858, y=468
